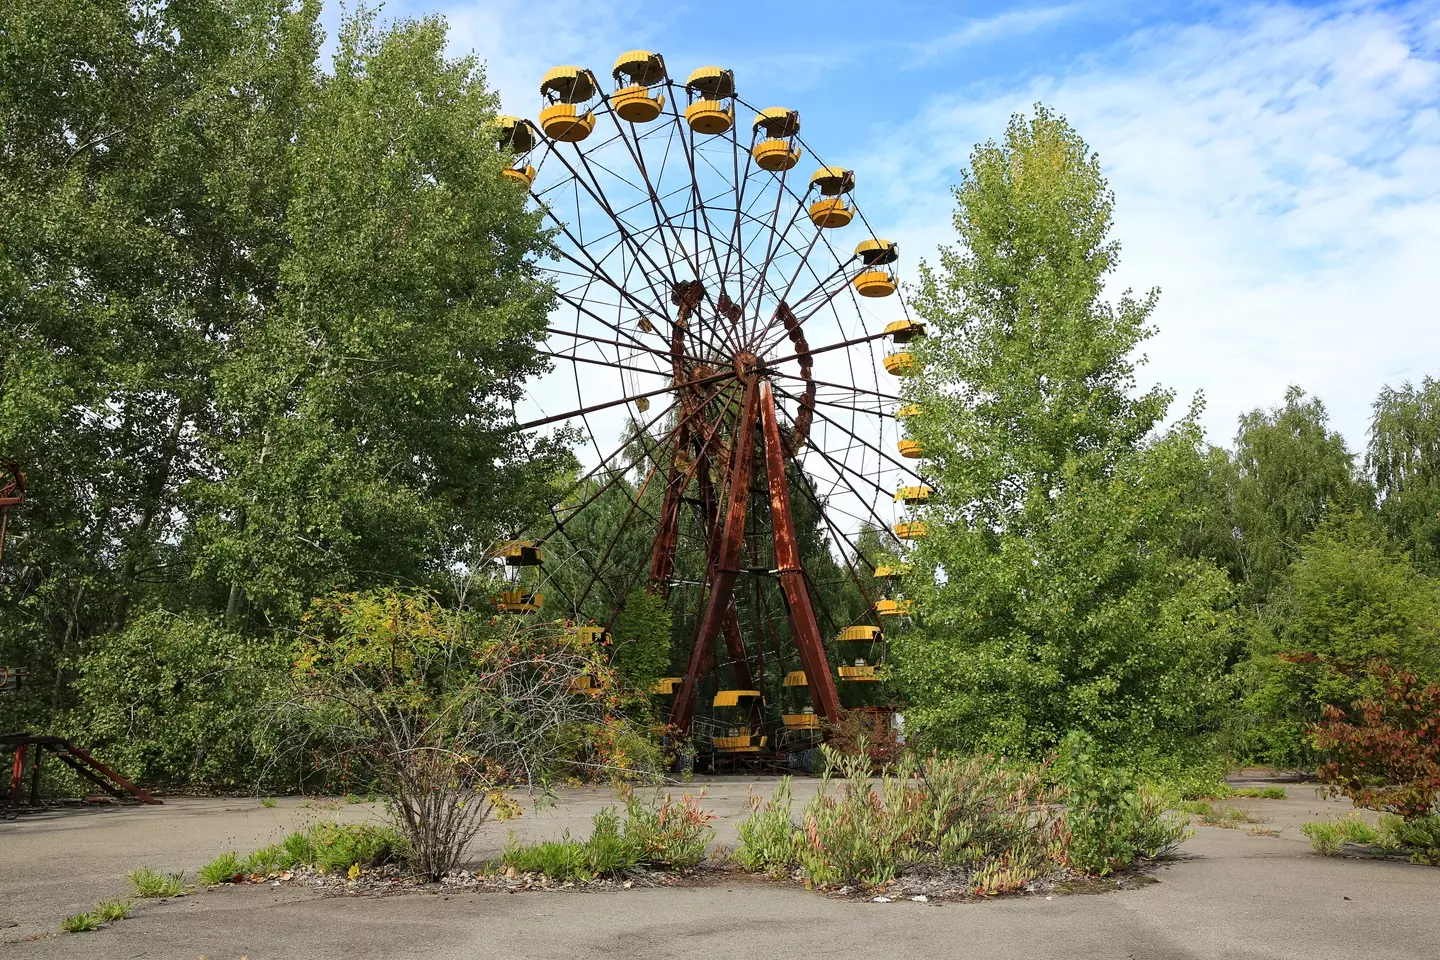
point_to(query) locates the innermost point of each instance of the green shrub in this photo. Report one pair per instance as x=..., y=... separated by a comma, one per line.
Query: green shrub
x=268, y=803
x=1420, y=835
x=80, y=923
x=658, y=833
x=266, y=860
x=335, y=847
x=111, y=910
x=296, y=849
x=557, y=859
x=151, y=884
x=1259, y=793
x=220, y=870
x=769, y=840
x=1328, y=837
x=1113, y=820
x=669, y=835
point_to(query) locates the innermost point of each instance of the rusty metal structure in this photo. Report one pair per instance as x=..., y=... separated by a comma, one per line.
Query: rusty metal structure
x=728, y=320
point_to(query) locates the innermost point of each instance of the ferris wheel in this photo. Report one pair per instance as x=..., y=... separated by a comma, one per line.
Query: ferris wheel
x=726, y=344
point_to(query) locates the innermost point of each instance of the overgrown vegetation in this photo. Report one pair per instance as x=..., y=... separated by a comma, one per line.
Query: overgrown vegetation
x=150, y=884
x=658, y=833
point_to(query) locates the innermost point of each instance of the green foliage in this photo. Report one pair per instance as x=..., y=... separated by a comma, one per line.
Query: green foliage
x=222, y=869
x=150, y=884
x=1212, y=815
x=1065, y=601
x=769, y=840
x=80, y=923
x=174, y=698
x=1349, y=600
x=1113, y=819
x=992, y=819
x=266, y=860
x=296, y=848
x=109, y=911
x=336, y=847
x=1404, y=456
x=641, y=652
x=269, y=803
x=1328, y=837
x=266, y=322
x=658, y=833
x=1419, y=835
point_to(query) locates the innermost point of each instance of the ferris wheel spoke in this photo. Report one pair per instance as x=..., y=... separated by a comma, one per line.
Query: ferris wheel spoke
x=861, y=440
x=839, y=386
x=600, y=273
x=615, y=403
x=594, y=339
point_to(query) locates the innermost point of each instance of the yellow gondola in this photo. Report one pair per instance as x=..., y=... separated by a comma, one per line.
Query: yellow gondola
x=913, y=495
x=563, y=89
x=796, y=678
x=591, y=633
x=521, y=553
x=876, y=252
x=910, y=449
x=666, y=685
x=892, y=608
x=831, y=211
x=519, y=601
x=522, y=175
x=903, y=331
x=583, y=684
x=777, y=151
x=901, y=364
x=913, y=530
x=709, y=89
x=875, y=283
x=800, y=721
x=908, y=410
x=741, y=742
x=860, y=672
x=860, y=633
x=886, y=570
x=732, y=698
x=515, y=134
x=635, y=72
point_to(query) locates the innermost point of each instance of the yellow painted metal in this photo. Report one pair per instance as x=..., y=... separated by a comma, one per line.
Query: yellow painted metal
x=892, y=608
x=568, y=84
x=910, y=449
x=710, y=117
x=892, y=569
x=859, y=673
x=860, y=633
x=521, y=553
x=775, y=155
x=833, y=181
x=796, y=678
x=912, y=495
x=640, y=66
x=560, y=121
x=732, y=698
x=901, y=364
x=666, y=685
x=831, y=212
x=909, y=410
x=743, y=741
x=645, y=325
x=778, y=121
x=903, y=331
x=523, y=175
x=635, y=104
x=875, y=283
x=801, y=721
x=712, y=83
x=582, y=684
x=876, y=252
x=515, y=133
x=913, y=530
x=591, y=633
x=519, y=601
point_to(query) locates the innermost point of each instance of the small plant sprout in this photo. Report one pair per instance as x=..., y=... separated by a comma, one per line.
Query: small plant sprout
x=80, y=923
x=111, y=910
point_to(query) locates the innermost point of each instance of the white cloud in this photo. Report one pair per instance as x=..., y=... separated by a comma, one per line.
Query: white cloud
x=988, y=29
x=1276, y=175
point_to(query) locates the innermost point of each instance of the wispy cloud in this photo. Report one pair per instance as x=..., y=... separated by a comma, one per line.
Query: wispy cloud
x=989, y=29
x=1275, y=174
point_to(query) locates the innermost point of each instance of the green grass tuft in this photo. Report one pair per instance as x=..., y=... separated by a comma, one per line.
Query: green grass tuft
x=268, y=803
x=151, y=884
x=220, y=870
x=111, y=910
x=79, y=923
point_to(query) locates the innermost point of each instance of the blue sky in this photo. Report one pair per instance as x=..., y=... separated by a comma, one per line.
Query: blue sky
x=1276, y=165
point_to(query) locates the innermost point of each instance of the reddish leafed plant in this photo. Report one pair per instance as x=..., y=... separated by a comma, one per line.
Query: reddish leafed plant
x=1385, y=751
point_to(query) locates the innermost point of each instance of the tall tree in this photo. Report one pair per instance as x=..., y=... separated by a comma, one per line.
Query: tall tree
x=1404, y=458
x=1053, y=591
x=263, y=322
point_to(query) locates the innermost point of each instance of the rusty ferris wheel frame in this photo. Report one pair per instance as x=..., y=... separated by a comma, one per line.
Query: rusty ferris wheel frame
x=710, y=284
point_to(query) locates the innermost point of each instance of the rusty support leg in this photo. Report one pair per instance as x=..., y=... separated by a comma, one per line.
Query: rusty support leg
x=17, y=775
x=803, y=625
x=726, y=568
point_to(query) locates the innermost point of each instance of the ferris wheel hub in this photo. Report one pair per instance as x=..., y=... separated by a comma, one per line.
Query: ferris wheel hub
x=748, y=364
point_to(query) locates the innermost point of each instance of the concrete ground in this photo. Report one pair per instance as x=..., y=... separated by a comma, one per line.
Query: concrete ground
x=1229, y=894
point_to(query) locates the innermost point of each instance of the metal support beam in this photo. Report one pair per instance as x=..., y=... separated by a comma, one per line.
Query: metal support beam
x=804, y=628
